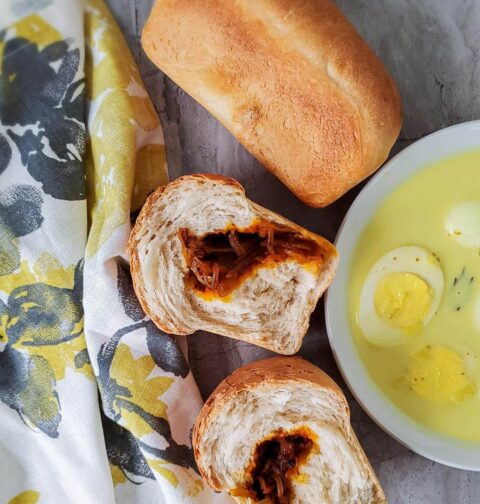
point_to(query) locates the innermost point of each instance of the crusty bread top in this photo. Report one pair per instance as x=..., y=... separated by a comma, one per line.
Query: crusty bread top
x=291, y=79
x=275, y=376
x=274, y=370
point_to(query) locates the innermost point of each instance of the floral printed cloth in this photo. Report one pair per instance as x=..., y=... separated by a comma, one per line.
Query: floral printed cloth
x=96, y=404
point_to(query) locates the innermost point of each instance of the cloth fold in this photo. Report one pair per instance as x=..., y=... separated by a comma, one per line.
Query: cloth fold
x=96, y=403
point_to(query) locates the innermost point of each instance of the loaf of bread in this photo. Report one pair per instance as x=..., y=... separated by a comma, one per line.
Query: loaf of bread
x=278, y=431
x=291, y=79
x=204, y=257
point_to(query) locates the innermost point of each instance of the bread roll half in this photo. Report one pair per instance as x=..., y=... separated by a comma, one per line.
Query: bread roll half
x=278, y=431
x=291, y=79
x=204, y=257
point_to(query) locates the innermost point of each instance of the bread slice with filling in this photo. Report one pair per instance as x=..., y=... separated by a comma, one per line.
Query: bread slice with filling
x=278, y=431
x=205, y=257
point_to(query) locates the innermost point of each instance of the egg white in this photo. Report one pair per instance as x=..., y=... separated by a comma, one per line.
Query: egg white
x=407, y=259
x=463, y=224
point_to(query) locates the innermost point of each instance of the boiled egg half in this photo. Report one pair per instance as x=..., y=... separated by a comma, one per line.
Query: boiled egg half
x=400, y=295
x=463, y=223
x=441, y=375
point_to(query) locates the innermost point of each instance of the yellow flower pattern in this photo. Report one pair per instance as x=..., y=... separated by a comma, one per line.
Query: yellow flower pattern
x=122, y=110
x=144, y=390
x=77, y=120
x=27, y=497
x=48, y=271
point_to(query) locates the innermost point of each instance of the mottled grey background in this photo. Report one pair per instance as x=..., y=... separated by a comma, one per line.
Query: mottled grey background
x=432, y=48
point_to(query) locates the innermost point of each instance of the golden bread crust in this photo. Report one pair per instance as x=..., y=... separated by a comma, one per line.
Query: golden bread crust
x=274, y=372
x=291, y=79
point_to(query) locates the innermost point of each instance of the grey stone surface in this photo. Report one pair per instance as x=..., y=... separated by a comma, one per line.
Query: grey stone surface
x=432, y=49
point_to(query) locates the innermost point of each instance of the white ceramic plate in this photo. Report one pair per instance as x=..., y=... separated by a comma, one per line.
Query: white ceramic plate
x=426, y=442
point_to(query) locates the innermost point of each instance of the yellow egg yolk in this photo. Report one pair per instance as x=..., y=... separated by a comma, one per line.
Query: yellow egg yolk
x=403, y=300
x=437, y=374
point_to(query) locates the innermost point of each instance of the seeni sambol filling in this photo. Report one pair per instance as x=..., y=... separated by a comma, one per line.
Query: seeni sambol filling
x=276, y=461
x=219, y=261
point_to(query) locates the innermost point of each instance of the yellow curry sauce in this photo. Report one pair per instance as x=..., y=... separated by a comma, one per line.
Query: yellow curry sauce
x=433, y=375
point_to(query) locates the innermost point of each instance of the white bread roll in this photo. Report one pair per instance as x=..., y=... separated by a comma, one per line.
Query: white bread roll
x=277, y=398
x=269, y=304
x=291, y=79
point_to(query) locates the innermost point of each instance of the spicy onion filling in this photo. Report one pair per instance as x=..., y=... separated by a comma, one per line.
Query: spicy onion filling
x=219, y=261
x=276, y=460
